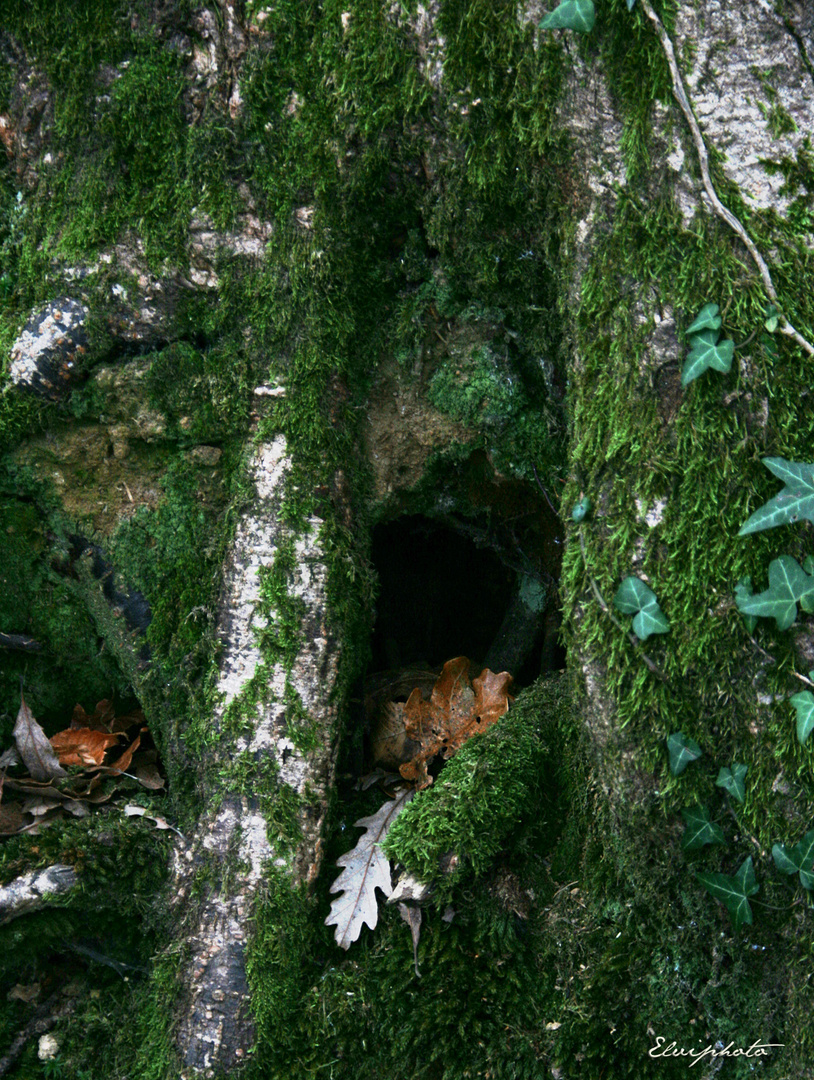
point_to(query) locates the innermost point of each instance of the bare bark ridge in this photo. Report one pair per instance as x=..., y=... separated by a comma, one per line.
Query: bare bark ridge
x=756, y=190
x=31, y=891
x=759, y=62
x=746, y=67
x=216, y=1029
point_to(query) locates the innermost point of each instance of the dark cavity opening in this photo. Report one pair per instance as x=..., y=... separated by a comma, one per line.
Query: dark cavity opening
x=482, y=587
x=439, y=595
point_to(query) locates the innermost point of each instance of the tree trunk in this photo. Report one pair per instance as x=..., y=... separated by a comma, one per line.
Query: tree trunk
x=320, y=323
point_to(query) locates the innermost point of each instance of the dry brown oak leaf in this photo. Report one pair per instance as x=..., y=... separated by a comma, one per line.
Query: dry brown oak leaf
x=454, y=713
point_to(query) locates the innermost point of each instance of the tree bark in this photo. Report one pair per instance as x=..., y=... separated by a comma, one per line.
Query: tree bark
x=490, y=247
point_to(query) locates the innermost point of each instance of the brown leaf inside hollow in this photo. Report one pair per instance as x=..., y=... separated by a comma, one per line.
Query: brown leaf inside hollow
x=492, y=695
x=82, y=746
x=122, y=763
x=100, y=720
x=131, y=719
x=454, y=713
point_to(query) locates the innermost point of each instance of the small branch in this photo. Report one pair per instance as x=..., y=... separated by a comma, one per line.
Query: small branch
x=19, y=641
x=680, y=93
x=33, y=891
x=637, y=645
x=540, y=486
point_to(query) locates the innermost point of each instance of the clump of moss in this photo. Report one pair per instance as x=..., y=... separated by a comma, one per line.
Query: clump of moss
x=482, y=794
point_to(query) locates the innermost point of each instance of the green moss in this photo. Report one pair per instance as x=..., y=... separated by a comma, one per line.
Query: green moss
x=38, y=600
x=482, y=794
x=108, y=919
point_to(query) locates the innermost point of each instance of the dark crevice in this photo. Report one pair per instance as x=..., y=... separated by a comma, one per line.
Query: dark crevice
x=448, y=588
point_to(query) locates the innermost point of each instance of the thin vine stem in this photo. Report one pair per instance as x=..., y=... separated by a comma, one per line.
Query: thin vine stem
x=637, y=645
x=680, y=94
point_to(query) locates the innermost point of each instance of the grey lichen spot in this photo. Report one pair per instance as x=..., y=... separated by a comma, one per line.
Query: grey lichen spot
x=46, y=357
x=750, y=89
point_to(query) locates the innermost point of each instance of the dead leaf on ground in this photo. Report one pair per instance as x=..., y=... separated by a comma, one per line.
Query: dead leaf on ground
x=89, y=744
x=147, y=774
x=159, y=822
x=33, y=746
x=9, y=758
x=82, y=746
x=99, y=720
x=122, y=764
x=412, y=916
x=365, y=869
x=11, y=820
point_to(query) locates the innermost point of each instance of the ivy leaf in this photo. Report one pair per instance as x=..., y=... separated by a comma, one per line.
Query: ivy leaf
x=795, y=501
x=733, y=892
x=804, y=704
x=789, y=585
x=743, y=590
x=770, y=345
x=707, y=352
x=633, y=597
x=581, y=509
x=571, y=15
x=800, y=858
x=731, y=780
x=706, y=319
x=682, y=751
x=700, y=830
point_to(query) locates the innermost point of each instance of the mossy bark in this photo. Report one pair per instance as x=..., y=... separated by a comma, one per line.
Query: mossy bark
x=326, y=265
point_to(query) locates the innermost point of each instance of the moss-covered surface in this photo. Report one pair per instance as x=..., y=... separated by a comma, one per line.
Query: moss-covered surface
x=431, y=236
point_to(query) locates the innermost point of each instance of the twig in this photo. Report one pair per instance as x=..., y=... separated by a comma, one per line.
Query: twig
x=19, y=641
x=42, y=1021
x=540, y=486
x=680, y=93
x=637, y=645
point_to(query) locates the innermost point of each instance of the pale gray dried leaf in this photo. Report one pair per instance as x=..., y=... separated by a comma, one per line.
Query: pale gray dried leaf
x=412, y=916
x=9, y=758
x=34, y=748
x=139, y=811
x=366, y=869
x=37, y=806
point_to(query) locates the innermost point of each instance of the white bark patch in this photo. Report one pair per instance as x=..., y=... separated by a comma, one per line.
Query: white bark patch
x=216, y=1028
x=31, y=891
x=255, y=544
x=747, y=75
